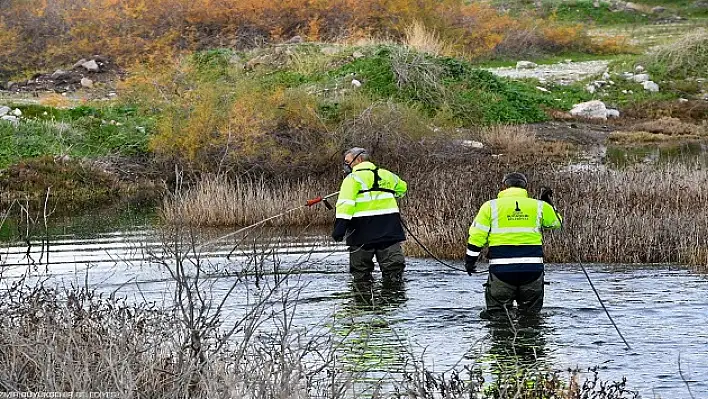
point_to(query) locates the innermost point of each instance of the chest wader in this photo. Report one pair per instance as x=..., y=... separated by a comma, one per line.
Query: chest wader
x=389, y=256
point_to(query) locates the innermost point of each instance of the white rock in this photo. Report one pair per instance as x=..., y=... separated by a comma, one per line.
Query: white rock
x=58, y=73
x=471, y=144
x=641, y=78
x=651, y=86
x=86, y=83
x=590, y=88
x=11, y=119
x=605, y=76
x=683, y=100
x=613, y=113
x=113, y=94
x=595, y=109
x=568, y=61
x=628, y=75
x=599, y=83
x=90, y=66
x=356, y=83
x=358, y=54
x=17, y=112
x=638, y=69
x=526, y=65
x=624, y=92
x=632, y=7
x=611, y=82
x=543, y=89
x=4, y=110
x=79, y=63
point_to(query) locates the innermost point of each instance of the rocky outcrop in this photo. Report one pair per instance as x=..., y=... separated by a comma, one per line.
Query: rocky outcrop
x=84, y=74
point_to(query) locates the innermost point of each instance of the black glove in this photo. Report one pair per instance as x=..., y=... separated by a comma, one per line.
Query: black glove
x=471, y=268
x=547, y=195
x=340, y=230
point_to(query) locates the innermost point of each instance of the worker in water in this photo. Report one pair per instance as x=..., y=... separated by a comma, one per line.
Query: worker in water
x=368, y=217
x=511, y=225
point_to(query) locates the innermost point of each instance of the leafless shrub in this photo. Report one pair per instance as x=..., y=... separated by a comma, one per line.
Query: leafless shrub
x=510, y=139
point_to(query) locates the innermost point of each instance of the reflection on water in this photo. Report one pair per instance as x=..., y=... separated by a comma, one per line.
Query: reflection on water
x=432, y=316
x=688, y=152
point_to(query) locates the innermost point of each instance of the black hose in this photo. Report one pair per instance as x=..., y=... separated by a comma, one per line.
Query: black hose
x=449, y=266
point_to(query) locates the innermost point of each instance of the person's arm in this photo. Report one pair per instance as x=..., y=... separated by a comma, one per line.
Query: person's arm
x=551, y=220
x=478, y=236
x=399, y=186
x=345, y=207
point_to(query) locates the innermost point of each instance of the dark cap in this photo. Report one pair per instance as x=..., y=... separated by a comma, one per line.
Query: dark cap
x=515, y=179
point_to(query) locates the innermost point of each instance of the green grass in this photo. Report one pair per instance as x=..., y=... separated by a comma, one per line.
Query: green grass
x=78, y=132
x=583, y=11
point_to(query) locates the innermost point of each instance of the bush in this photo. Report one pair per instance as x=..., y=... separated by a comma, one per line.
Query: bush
x=686, y=58
x=41, y=34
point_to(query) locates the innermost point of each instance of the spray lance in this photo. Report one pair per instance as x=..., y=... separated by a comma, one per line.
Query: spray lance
x=307, y=204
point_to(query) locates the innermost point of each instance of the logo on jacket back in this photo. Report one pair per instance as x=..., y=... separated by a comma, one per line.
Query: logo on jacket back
x=517, y=215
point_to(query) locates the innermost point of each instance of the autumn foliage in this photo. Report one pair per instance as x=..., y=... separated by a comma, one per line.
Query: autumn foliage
x=43, y=33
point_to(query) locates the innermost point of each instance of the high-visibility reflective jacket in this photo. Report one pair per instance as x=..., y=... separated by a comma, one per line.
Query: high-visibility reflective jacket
x=367, y=211
x=511, y=225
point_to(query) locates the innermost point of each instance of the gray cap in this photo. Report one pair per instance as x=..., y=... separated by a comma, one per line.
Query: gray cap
x=515, y=179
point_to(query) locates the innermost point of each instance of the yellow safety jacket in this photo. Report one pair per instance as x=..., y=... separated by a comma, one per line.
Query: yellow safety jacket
x=511, y=225
x=367, y=211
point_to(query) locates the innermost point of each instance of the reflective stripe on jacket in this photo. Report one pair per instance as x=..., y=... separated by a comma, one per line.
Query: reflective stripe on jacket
x=370, y=217
x=511, y=225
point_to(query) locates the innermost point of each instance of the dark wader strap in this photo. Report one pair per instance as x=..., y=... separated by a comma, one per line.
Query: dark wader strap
x=376, y=186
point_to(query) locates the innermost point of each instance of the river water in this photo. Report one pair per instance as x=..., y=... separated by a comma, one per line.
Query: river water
x=434, y=316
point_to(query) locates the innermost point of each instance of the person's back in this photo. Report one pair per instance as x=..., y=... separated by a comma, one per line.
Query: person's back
x=368, y=216
x=511, y=225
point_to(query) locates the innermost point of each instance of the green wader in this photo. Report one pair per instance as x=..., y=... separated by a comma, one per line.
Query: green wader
x=500, y=295
x=390, y=260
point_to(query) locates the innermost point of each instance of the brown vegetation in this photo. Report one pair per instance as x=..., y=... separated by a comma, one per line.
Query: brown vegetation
x=42, y=34
x=641, y=214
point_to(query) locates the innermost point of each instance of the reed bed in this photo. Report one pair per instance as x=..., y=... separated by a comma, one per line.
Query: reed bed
x=640, y=214
x=219, y=201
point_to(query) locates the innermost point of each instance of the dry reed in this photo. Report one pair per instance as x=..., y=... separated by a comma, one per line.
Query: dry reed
x=641, y=214
x=420, y=38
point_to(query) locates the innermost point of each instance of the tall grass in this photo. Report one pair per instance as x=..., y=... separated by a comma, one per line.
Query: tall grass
x=640, y=214
x=686, y=58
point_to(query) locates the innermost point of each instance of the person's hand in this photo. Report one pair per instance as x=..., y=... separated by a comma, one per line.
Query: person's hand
x=471, y=268
x=547, y=195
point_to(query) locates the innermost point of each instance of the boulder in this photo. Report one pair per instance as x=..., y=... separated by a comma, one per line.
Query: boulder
x=17, y=112
x=651, y=86
x=58, y=74
x=526, y=65
x=629, y=6
x=11, y=119
x=90, y=66
x=79, y=63
x=613, y=113
x=595, y=109
x=641, y=78
x=86, y=83
x=4, y=110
